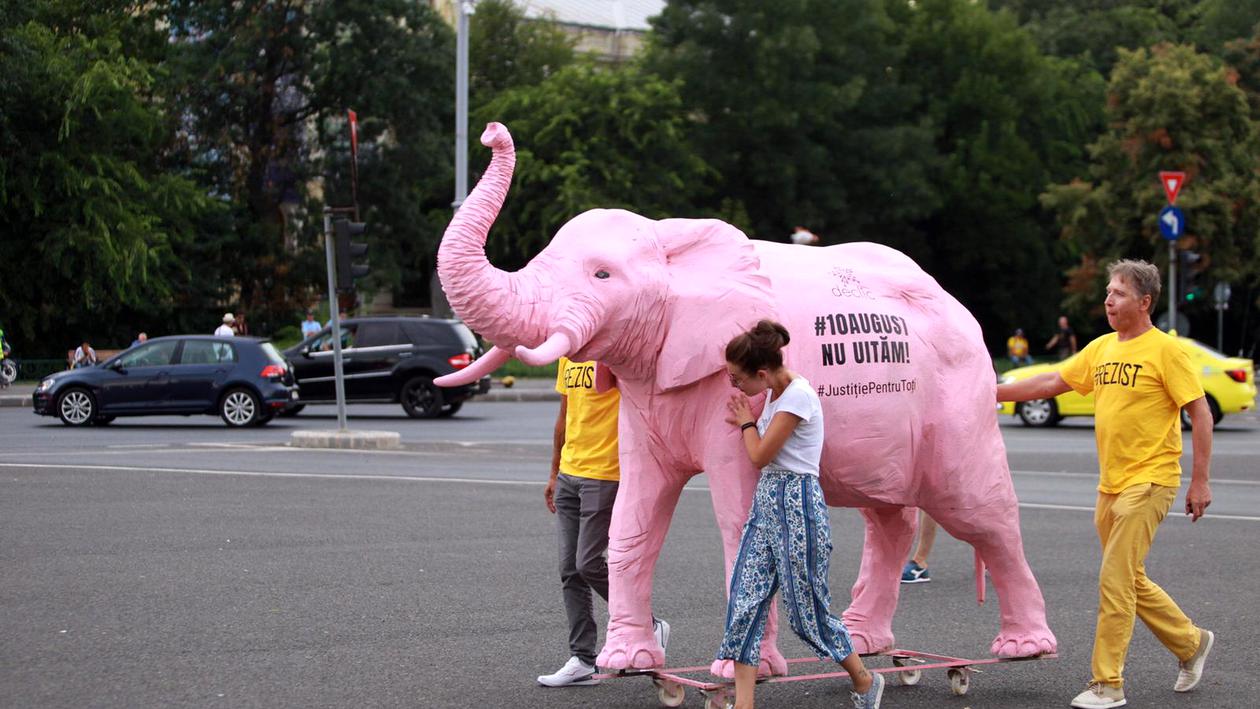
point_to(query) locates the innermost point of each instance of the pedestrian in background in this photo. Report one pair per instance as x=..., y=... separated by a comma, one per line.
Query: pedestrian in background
x=140, y=339
x=1064, y=341
x=225, y=329
x=1017, y=348
x=309, y=326
x=1141, y=379
x=83, y=356
x=804, y=237
x=241, y=326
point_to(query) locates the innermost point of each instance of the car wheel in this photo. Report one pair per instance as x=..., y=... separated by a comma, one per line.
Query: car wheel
x=1214, y=407
x=451, y=410
x=102, y=420
x=421, y=398
x=76, y=407
x=293, y=411
x=239, y=407
x=1040, y=413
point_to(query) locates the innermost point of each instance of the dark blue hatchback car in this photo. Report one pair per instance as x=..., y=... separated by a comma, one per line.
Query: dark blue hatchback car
x=242, y=379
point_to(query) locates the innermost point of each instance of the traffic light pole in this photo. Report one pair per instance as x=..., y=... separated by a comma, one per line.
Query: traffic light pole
x=333, y=307
x=1172, y=286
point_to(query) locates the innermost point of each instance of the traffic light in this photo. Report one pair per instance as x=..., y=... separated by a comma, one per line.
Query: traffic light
x=1188, y=276
x=347, y=251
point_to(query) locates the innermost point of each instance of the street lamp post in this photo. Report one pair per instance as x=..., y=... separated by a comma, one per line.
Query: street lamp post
x=463, y=10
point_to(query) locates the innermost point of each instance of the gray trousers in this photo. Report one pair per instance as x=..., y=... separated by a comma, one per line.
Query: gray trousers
x=583, y=512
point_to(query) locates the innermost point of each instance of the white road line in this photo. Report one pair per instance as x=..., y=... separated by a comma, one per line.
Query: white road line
x=1094, y=476
x=465, y=481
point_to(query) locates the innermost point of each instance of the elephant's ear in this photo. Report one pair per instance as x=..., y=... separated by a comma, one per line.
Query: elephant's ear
x=716, y=292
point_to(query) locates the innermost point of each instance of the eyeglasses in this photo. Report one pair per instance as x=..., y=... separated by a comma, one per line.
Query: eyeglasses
x=737, y=382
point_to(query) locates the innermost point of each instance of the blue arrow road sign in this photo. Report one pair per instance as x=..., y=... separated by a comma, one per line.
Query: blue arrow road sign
x=1172, y=223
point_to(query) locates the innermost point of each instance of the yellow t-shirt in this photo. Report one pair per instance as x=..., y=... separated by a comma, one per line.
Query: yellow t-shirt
x=1139, y=388
x=590, y=427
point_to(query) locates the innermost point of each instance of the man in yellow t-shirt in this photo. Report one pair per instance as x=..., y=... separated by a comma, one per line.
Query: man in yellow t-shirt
x=1141, y=379
x=581, y=491
x=1017, y=348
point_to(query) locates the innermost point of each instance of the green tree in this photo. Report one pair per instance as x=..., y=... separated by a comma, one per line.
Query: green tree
x=506, y=50
x=802, y=109
x=264, y=87
x=589, y=137
x=1168, y=108
x=1007, y=121
x=97, y=225
x=1097, y=29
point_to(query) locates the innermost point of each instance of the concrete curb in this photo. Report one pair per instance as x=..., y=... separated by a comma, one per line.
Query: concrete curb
x=15, y=400
x=359, y=440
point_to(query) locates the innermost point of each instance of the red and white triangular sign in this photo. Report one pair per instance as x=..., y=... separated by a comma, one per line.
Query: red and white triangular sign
x=1172, y=182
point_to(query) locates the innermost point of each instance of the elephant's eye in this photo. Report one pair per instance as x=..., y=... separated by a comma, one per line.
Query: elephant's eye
x=601, y=274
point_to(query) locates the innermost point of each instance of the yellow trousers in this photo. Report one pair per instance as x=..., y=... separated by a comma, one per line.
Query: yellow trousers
x=1126, y=525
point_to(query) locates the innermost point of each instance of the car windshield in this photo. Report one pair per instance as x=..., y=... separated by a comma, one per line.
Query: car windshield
x=271, y=352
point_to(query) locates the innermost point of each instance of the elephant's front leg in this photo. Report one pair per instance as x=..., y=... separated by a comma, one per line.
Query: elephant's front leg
x=645, y=504
x=889, y=533
x=732, y=483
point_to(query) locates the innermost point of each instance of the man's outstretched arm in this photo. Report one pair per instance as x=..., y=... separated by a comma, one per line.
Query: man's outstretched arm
x=1046, y=385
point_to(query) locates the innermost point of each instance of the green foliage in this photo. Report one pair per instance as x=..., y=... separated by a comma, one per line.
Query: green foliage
x=1006, y=121
x=265, y=88
x=1169, y=108
x=506, y=51
x=589, y=137
x=802, y=109
x=96, y=226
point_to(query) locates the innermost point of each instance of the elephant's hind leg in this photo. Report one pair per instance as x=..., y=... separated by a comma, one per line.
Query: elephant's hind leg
x=889, y=533
x=994, y=532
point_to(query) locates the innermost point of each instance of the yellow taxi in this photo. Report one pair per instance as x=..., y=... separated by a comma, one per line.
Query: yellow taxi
x=1229, y=382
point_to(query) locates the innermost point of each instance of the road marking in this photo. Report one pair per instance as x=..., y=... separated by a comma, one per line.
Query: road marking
x=1094, y=476
x=465, y=481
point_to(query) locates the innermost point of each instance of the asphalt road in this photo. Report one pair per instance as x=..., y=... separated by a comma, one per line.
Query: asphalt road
x=175, y=562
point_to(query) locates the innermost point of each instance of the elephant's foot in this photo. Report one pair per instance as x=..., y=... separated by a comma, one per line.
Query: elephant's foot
x=868, y=640
x=1025, y=643
x=772, y=664
x=631, y=649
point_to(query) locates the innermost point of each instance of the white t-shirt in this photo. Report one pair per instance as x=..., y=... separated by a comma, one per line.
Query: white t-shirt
x=224, y=330
x=803, y=449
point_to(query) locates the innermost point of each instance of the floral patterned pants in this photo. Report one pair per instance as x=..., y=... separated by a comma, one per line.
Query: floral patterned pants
x=786, y=545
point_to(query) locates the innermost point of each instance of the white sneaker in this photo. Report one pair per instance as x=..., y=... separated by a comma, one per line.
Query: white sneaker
x=1100, y=696
x=661, y=630
x=1192, y=669
x=575, y=673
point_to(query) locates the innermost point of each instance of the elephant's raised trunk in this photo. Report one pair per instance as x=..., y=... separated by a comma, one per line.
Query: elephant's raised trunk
x=491, y=301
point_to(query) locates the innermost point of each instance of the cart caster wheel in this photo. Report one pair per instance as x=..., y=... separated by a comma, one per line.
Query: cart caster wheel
x=670, y=693
x=718, y=700
x=907, y=677
x=959, y=681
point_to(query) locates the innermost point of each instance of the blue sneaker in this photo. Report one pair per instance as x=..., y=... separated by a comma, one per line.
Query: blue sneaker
x=913, y=573
x=871, y=699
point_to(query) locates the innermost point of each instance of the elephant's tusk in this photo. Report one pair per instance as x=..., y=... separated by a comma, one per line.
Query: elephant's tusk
x=485, y=364
x=553, y=349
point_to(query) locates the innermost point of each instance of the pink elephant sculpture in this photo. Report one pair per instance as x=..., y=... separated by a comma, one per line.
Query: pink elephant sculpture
x=905, y=381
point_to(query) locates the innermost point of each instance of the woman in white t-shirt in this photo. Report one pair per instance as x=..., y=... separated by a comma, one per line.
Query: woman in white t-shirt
x=786, y=544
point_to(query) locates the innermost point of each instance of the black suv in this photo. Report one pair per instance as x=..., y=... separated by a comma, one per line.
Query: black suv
x=390, y=359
